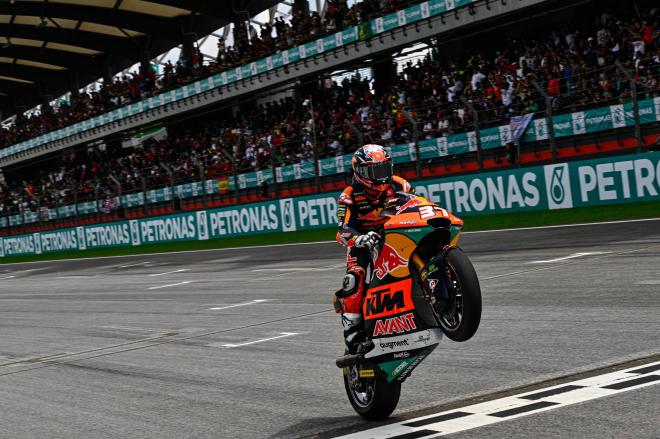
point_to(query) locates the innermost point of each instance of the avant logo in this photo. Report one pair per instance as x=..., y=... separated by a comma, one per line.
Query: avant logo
x=288, y=215
x=558, y=186
x=395, y=325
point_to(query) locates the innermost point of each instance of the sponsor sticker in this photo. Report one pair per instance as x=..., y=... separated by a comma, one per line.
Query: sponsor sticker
x=395, y=325
x=366, y=373
x=393, y=256
x=400, y=368
x=412, y=365
x=388, y=300
x=393, y=344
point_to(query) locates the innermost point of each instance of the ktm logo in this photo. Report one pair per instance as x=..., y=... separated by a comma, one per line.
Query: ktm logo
x=395, y=325
x=388, y=300
x=383, y=301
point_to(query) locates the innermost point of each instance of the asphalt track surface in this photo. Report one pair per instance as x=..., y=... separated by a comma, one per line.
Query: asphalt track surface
x=130, y=347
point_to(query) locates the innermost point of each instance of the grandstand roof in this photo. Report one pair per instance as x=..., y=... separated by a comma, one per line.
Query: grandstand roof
x=44, y=44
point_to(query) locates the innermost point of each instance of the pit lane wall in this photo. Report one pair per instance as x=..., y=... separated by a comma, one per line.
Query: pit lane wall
x=611, y=180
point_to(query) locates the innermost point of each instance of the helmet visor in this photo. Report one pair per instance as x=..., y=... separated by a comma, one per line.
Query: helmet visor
x=376, y=171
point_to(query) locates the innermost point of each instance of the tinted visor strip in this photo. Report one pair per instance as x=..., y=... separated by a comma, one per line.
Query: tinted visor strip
x=377, y=170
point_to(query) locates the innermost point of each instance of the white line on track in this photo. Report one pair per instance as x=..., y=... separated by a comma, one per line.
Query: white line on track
x=237, y=345
x=135, y=265
x=648, y=282
x=516, y=406
x=7, y=277
x=13, y=273
x=170, y=285
x=239, y=304
x=573, y=256
x=170, y=272
x=295, y=244
x=294, y=269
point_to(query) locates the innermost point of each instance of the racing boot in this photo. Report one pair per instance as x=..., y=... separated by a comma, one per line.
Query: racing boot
x=353, y=333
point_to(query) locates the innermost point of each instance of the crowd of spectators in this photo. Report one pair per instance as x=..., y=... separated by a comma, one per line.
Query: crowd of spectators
x=574, y=66
x=250, y=43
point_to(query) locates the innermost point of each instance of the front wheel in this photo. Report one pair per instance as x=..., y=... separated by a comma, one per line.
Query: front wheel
x=373, y=399
x=460, y=319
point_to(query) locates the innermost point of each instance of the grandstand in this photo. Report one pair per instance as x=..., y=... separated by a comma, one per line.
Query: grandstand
x=290, y=90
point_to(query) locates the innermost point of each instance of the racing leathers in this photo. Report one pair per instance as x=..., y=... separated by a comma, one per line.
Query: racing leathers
x=359, y=222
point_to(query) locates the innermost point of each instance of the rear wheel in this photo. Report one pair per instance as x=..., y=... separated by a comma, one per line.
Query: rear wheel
x=373, y=399
x=460, y=319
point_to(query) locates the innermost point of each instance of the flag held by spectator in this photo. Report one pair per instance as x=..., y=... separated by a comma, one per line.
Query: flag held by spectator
x=223, y=185
x=364, y=30
x=518, y=125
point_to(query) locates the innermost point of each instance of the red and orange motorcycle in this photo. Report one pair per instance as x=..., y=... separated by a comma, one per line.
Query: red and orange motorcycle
x=423, y=286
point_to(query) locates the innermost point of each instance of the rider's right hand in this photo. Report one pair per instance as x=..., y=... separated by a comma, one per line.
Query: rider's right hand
x=368, y=241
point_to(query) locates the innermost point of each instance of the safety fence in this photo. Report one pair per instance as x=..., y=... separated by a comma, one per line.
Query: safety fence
x=611, y=180
x=347, y=36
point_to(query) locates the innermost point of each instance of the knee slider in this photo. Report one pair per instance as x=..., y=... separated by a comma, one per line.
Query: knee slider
x=350, y=284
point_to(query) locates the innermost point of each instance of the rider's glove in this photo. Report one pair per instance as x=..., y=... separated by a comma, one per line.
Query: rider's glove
x=368, y=241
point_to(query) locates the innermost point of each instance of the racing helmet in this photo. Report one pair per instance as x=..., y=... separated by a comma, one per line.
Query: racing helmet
x=373, y=168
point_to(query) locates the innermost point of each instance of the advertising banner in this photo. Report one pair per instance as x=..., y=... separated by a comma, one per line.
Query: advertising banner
x=610, y=180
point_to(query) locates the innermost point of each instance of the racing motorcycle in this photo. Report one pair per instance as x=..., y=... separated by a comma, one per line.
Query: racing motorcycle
x=422, y=286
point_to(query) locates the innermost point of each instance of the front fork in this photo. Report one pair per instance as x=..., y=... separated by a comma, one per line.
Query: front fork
x=433, y=279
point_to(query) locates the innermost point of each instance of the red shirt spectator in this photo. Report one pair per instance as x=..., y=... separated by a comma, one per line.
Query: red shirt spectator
x=553, y=86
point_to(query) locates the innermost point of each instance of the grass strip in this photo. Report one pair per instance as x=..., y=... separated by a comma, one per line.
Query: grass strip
x=472, y=223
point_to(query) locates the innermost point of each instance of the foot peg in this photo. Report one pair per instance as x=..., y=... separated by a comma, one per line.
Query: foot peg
x=352, y=359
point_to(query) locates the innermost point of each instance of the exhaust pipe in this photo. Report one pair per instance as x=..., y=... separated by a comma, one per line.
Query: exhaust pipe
x=349, y=360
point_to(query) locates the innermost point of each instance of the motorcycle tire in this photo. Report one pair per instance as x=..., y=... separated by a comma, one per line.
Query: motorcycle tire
x=464, y=286
x=383, y=400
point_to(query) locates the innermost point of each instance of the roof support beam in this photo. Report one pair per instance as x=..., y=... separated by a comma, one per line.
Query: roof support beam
x=29, y=73
x=48, y=56
x=90, y=40
x=151, y=24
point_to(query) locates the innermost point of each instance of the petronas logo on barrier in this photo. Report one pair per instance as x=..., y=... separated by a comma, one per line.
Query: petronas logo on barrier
x=202, y=226
x=80, y=233
x=135, y=232
x=558, y=186
x=37, y=243
x=288, y=215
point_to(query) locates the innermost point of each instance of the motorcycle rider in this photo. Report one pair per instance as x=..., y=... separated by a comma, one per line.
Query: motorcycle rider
x=358, y=213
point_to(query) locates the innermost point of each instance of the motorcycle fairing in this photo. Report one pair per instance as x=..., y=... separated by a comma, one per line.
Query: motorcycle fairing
x=397, y=316
x=398, y=356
